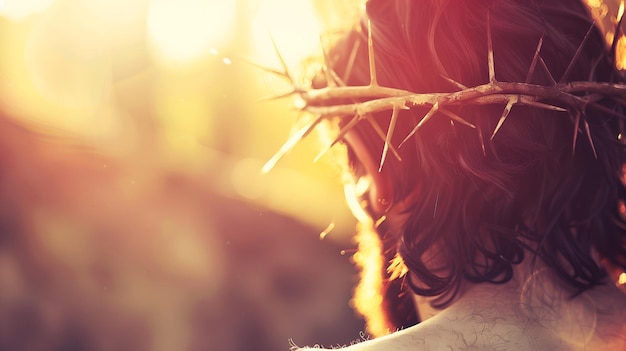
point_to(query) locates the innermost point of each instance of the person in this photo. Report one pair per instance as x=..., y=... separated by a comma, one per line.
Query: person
x=497, y=216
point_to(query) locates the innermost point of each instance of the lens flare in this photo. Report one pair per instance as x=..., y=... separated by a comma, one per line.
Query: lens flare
x=182, y=30
x=20, y=9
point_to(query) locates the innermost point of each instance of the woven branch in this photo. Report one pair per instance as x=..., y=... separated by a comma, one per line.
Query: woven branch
x=568, y=97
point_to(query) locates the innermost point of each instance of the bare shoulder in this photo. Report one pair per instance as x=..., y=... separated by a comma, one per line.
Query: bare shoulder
x=447, y=332
x=499, y=323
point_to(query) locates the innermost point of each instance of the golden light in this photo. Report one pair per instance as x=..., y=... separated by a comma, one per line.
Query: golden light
x=293, y=25
x=622, y=279
x=368, y=295
x=20, y=9
x=181, y=30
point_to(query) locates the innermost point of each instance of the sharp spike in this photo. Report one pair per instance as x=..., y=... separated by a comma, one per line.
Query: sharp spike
x=455, y=83
x=492, y=68
x=618, y=27
x=337, y=79
x=370, y=53
x=342, y=133
x=576, y=126
x=457, y=118
x=533, y=64
x=351, y=60
x=570, y=66
x=421, y=123
x=619, y=100
x=392, y=126
x=278, y=97
x=545, y=68
x=505, y=114
x=267, y=69
x=530, y=102
x=482, y=141
x=607, y=110
x=588, y=131
x=332, y=79
x=290, y=143
x=381, y=134
x=282, y=61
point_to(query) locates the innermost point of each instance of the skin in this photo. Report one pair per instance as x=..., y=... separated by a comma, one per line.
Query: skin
x=532, y=311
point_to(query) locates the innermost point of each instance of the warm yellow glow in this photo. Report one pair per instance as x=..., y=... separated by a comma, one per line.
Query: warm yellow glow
x=620, y=53
x=368, y=296
x=19, y=9
x=620, y=12
x=294, y=27
x=622, y=279
x=182, y=30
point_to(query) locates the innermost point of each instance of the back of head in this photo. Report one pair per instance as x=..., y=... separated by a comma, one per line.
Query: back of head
x=470, y=197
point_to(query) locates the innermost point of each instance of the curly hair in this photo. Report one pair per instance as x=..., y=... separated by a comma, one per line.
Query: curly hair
x=481, y=206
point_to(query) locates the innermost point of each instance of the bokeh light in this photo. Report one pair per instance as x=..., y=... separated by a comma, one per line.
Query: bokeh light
x=20, y=9
x=135, y=213
x=182, y=30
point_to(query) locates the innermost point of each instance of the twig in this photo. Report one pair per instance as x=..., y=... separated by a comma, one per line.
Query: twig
x=362, y=102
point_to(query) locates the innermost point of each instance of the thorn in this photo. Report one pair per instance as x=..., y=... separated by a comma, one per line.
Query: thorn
x=482, y=141
x=278, y=97
x=533, y=64
x=330, y=81
x=457, y=118
x=436, y=203
x=351, y=60
x=593, y=147
x=618, y=27
x=607, y=110
x=577, y=54
x=339, y=136
x=545, y=68
x=267, y=69
x=505, y=114
x=282, y=60
x=370, y=52
x=421, y=123
x=455, y=83
x=392, y=126
x=530, y=102
x=290, y=143
x=576, y=126
x=337, y=79
x=382, y=135
x=619, y=100
x=492, y=68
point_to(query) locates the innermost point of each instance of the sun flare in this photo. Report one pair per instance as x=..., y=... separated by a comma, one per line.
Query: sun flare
x=182, y=30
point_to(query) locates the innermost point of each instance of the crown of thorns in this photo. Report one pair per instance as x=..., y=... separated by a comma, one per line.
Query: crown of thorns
x=572, y=98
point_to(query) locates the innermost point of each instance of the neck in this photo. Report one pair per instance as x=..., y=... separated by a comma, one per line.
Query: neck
x=537, y=298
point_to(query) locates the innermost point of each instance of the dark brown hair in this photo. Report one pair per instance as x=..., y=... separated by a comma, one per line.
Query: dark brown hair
x=486, y=204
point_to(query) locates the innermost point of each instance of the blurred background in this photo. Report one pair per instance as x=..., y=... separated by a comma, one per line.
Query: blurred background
x=133, y=211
